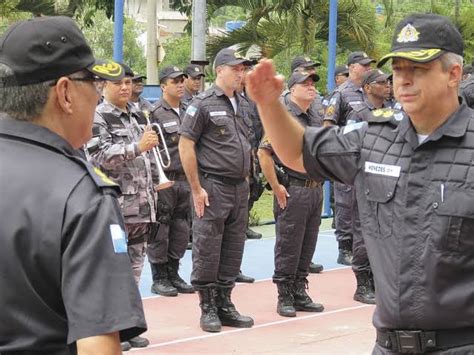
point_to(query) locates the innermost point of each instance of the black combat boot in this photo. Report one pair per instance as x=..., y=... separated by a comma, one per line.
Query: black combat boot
x=285, y=305
x=227, y=313
x=139, y=342
x=252, y=234
x=244, y=278
x=209, y=321
x=302, y=300
x=315, y=268
x=161, y=284
x=365, y=292
x=345, y=252
x=175, y=279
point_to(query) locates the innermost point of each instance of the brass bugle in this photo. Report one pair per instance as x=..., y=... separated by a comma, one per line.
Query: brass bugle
x=164, y=181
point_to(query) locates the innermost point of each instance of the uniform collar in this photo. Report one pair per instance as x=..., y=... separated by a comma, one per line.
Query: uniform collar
x=111, y=108
x=220, y=92
x=35, y=134
x=455, y=126
x=296, y=110
x=163, y=103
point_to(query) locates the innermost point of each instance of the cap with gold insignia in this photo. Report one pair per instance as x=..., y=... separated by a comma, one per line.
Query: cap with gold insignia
x=170, y=72
x=299, y=77
x=193, y=71
x=47, y=48
x=424, y=37
x=229, y=56
x=304, y=62
x=359, y=58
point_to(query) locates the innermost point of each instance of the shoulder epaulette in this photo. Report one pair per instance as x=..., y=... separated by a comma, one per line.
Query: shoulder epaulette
x=100, y=179
x=384, y=115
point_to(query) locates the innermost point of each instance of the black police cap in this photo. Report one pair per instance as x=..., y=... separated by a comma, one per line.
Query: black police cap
x=424, y=37
x=46, y=48
x=298, y=77
x=228, y=56
x=341, y=70
x=359, y=58
x=193, y=70
x=304, y=62
x=170, y=72
x=374, y=75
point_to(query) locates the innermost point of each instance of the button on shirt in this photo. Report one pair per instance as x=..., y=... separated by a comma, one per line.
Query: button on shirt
x=221, y=136
x=416, y=206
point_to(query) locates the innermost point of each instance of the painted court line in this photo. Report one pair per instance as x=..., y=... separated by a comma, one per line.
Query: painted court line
x=264, y=325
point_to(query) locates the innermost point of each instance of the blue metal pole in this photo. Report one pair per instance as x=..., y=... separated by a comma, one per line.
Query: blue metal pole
x=332, y=40
x=118, y=31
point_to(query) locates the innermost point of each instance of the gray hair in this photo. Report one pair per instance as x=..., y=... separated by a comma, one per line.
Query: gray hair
x=448, y=59
x=23, y=103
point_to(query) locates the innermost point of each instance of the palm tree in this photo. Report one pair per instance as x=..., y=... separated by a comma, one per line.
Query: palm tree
x=276, y=26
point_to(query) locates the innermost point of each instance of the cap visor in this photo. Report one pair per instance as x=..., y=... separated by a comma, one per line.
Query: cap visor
x=414, y=55
x=239, y=61
x=107, y=70
x=311, y=64
x=138, y=77
x=366, y=61
x=315, y=78
x=177, y=74
x=196, y=75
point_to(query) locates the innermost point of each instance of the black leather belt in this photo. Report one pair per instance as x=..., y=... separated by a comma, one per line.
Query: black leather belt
x=310, y=184
x=419, y=341
x=224, y=180
x=175, y=175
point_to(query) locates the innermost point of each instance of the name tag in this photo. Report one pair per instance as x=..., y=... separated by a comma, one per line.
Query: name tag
x=382, y=169
x=218, y=113
x=169, y=124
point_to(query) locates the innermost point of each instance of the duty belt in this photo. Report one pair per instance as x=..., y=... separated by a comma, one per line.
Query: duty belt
x=175, y=175
x=310, y=184
x=420, y=341
x=223, y=179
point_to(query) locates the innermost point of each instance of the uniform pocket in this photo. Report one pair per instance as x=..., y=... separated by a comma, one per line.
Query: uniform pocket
x=453, y=221
x=379, y=192
x=221, y=126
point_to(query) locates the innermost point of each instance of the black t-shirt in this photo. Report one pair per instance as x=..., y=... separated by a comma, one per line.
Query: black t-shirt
x=65, y=272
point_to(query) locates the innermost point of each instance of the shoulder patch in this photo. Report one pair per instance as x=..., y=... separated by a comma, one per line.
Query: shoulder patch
x=352, y=127
x=191, y=110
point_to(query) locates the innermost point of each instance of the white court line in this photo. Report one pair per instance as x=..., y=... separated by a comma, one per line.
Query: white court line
x=256, y=281
x=264, y=325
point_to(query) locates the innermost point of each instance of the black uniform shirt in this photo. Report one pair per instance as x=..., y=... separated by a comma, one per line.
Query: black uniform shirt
x=342, y=101
x=187, y=97
x=222, y=136
x=64, y=271
x=416, y=203
x=307, y=120
x=467, y=91
x=169, y=121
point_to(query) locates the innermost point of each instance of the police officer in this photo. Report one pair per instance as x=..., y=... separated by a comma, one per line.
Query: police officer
x=466, y=89
x=255, y=183
x=297, y=207
x=215, y=153
x=169, y=245
x=341, y=102
x=136, y=99
x=63, y=235
x=341, y=74
x=192, y=82
x=316, y=110
x=120, y=147
x=413, y=179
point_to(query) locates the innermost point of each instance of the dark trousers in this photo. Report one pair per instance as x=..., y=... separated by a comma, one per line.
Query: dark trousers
x=297, y=228
x=172, y=237
x=348, y=225
x=219, y=235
